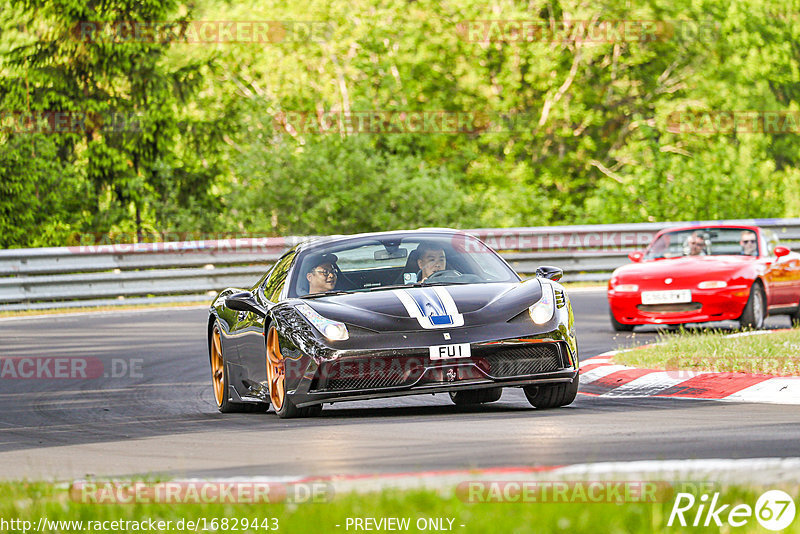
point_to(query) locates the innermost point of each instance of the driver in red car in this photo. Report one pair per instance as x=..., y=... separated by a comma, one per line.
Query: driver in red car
x=430, y=260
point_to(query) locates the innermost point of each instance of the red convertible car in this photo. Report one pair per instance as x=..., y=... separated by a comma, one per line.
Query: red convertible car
x=695, y=274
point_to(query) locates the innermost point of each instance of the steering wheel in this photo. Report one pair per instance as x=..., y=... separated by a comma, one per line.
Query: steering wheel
x=444, y=274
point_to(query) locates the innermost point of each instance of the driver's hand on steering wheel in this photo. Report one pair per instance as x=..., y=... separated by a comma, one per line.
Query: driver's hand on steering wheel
x=453, y=272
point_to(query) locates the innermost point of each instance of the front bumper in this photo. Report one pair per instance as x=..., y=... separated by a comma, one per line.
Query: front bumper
x=707, y=305
x=358, y=375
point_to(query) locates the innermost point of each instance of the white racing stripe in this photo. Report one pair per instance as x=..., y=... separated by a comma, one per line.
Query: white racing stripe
x=432, y=307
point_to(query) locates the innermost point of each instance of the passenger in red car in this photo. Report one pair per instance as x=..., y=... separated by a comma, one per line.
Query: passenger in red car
x=695, y=245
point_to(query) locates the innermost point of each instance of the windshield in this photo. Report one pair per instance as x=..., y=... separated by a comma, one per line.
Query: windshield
x=372, y=263
x=704, y=242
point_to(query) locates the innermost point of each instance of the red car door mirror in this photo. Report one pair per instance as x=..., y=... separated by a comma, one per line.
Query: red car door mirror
x=636, y=257
x=781, y=251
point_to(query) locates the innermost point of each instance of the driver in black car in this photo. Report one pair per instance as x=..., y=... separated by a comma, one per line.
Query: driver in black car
x=431, y=259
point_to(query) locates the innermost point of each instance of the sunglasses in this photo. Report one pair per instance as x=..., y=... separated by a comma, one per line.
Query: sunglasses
x=325, y=272
x=747, y=241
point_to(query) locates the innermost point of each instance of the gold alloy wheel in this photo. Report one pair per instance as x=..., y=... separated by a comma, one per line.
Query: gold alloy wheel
x=276, y=370
x=217, y=367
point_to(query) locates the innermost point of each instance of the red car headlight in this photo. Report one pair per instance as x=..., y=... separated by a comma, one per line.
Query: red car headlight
x=626, y=288
x=712, y=284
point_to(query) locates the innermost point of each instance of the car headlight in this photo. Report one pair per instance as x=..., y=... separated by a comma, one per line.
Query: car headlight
x=543, y=310
x=712, y=284
x=333, y=330
x=626, y=288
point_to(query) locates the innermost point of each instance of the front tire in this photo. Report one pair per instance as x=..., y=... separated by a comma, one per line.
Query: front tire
x=552, y=396
x=276, y=378
x=754, y=311
x=618, y=326
x=475, y=396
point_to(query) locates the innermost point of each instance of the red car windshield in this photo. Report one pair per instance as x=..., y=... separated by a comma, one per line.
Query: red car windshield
x=704, y=242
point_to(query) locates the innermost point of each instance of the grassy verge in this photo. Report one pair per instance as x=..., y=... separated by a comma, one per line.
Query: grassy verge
x=774, y=353
x=84, y=309
x=30, y=502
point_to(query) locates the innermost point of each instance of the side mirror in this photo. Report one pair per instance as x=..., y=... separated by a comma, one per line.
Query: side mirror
x=551, y=273
x=245, y=301
x=636, y=256
x=781, y=251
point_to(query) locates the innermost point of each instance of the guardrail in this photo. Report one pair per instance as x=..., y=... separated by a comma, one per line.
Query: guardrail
x=193, y=270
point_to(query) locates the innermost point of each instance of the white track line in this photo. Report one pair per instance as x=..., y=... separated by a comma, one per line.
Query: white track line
x=647, y=385
x=599, y=372
x=779, y=390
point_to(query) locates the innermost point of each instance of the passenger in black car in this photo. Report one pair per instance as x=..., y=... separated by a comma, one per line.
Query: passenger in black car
x=323, y=274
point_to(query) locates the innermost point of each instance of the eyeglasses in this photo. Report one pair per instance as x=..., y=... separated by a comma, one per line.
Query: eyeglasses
x=747, y=241
x=325, y=272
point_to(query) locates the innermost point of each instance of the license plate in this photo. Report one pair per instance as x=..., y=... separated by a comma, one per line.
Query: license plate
x=676, y=296
x=446, y=352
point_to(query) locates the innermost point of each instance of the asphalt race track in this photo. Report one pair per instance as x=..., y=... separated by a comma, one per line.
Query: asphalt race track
x=150, y=410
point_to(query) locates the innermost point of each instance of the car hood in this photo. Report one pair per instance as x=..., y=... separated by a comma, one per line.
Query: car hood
x=690, y=269
x=405, y=309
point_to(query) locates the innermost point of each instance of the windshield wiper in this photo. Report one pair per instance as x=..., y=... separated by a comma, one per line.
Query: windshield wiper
x=395, y=286
x=325, y=294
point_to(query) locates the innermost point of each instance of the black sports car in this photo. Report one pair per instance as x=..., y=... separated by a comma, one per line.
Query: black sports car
x=389, y=314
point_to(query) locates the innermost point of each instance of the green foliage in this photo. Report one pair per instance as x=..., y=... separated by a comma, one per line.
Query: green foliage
x=591, y=141
x=342, y=185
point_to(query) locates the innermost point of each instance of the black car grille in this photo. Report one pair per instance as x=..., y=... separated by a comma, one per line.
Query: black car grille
x=496, y=360
x=522, y=360
x=373, y=373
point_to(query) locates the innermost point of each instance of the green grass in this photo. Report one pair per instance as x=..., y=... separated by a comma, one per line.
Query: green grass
x=774, y=353
x=30, y=501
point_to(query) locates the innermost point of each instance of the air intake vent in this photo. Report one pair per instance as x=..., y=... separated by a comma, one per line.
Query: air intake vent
x=561, y=299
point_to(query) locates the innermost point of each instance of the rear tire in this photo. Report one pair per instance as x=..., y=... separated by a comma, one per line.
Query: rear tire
x=475, y=396
x=754, y=311
x=219, y=379
x=618, y=326
x=552, y=396
x=276, y=377
x=796, y=318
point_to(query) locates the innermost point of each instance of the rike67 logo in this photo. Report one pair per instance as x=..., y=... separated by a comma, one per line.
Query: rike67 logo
x=774, y=510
